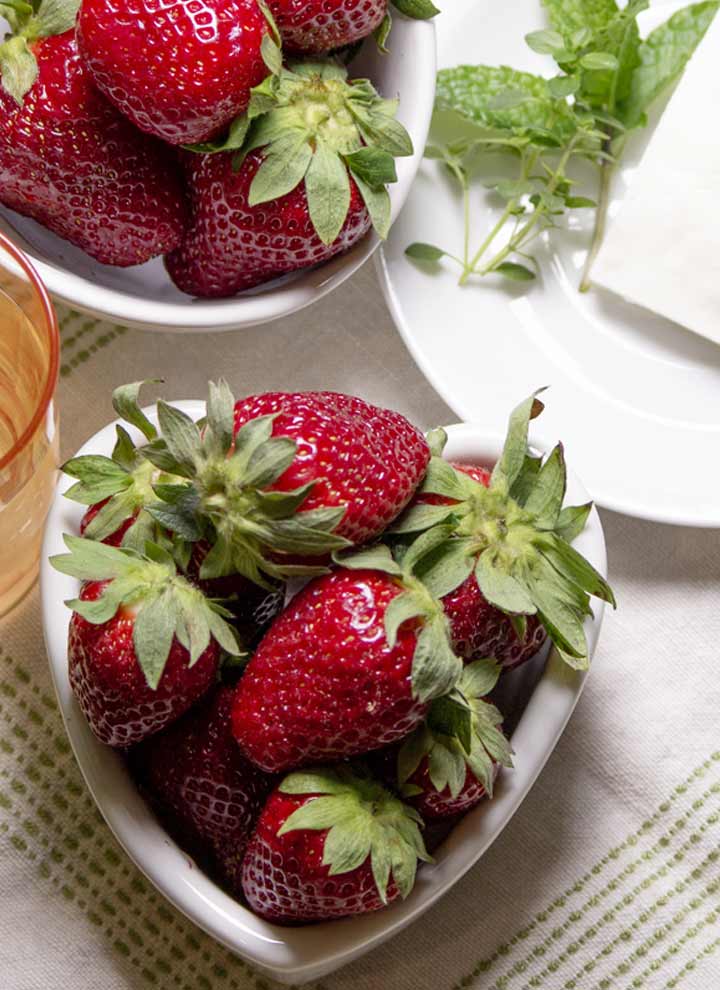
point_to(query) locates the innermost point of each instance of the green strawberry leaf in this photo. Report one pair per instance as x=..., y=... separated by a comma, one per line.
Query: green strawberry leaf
x=417, y=9
x=377, y=203
x=373, y=165
x=515, y=450
x=327, y=186
x=546, y=496
x=572, y=520
x=18, y=68
x=125, y=403
x=284, y=166
x=56, y=17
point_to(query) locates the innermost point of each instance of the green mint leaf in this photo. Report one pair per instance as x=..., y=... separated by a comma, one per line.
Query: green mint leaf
x=562, y=86
x=514, y=272
x=568, y=16
x=599, y=61
x=545, y=42
x=424, y=252
x=327, y=187
x=421, y=10
x=663, y=56
x=580, y=203
x=18, y=68
x=503, y=100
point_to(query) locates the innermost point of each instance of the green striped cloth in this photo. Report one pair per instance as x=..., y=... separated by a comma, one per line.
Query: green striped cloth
x=608, y=878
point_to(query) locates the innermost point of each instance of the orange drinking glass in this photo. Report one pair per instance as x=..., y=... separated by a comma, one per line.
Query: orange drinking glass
x=29, y=355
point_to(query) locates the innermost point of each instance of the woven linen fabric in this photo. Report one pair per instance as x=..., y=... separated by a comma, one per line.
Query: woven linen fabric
x=607, y=878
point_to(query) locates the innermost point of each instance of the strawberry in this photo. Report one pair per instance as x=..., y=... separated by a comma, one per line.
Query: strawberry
x=283, y=476
x=345, y=446
x=348, y=667
x=316, y=26
x=179, y=71
x=69, y=160
x=505, y=546
x=449, y=764
x=479, y=629
x=202, y=783
x=144, y=644
x=331, y=843
x=321, y=25
x=307, y=179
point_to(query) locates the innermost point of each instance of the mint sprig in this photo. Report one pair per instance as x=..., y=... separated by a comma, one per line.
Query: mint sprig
x=607, y=78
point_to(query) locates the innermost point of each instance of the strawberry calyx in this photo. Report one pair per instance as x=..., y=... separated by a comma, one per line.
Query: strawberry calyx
x=28, y=24
x=317, y=128
x=462, y=730
x=222, y=495
x=363, y=819
x=124, y=481
x=436, y=668
x=165, y=604
x=514, y=536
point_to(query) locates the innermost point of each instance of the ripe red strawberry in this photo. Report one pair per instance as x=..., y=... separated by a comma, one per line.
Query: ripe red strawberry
x=356, y=454
x=283, y=479
x=231, y=246
x=316, y=26
x=201, y=781
x=449, y=764
x=307, y=183
x=348, y=667
x=321, y=25
x=144, y=644
x=478, y=629
x=69, y=160
x=330, y=843
x=505, y=546
x=180, y=71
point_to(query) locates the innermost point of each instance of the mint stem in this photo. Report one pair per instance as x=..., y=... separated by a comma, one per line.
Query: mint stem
x=607, y=170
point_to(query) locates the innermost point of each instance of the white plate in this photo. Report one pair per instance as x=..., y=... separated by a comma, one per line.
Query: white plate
x=635, y=397
x=294, y=955
x=144, y=297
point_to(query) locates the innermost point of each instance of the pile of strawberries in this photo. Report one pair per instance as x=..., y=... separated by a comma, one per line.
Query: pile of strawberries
x=291, y=618
x=221, y=134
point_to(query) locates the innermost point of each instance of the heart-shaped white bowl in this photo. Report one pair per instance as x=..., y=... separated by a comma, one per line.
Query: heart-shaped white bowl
x=144, y=297
x=295, y=955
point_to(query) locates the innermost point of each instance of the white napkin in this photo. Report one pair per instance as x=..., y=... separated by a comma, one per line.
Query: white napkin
x=662, y=249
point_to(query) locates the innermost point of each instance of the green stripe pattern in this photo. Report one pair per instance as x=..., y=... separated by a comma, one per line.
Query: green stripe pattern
x=645, y=915
x=82, y=337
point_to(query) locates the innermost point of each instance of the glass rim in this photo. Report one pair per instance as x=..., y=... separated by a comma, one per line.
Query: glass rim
x=7, y=246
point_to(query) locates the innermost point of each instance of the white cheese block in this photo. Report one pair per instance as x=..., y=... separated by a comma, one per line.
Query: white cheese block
x=662, y=250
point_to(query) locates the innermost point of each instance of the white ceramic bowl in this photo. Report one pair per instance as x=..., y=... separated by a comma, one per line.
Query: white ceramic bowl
x=145, y=298
x=295, y=955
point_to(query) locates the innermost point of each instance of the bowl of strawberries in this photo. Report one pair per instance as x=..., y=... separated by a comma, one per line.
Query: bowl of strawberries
x=214, y=163
x=311, y=661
